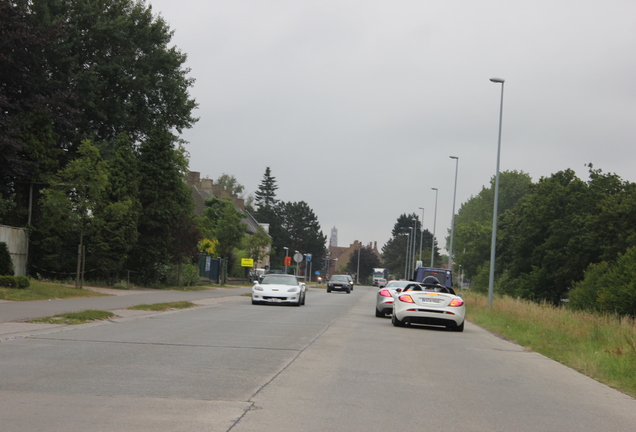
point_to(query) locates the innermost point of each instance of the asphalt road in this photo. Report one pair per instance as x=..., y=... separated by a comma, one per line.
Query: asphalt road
x=327, y=366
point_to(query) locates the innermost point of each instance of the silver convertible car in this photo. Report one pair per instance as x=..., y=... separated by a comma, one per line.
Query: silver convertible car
x=384, y=297
x=428, y=304
x=279, y=288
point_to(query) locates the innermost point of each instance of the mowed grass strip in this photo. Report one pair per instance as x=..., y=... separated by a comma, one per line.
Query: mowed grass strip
x=72, y=318
x=602, y=347
x=44, y=291
x=160, y=307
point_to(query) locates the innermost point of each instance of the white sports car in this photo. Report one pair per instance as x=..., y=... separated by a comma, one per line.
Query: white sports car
x=429, y=304
x=279, y=288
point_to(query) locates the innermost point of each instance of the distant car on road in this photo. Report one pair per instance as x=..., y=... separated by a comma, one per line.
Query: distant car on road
x=428, y=304
x=279, y=288
x=380, y=282
x=256, y=275
x=340, y=283
x=384, y=297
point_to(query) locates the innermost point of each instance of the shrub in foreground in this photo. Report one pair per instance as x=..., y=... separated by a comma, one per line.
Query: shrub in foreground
x=8, y=282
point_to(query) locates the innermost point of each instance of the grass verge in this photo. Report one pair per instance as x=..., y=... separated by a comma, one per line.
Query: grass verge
x=75, y=317
x=160, y=307
x=602, y=347
x=44, y=291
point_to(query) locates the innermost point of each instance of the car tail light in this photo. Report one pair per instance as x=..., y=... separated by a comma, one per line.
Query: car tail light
x=406, y=298
x=385, y=293
x=456, y=302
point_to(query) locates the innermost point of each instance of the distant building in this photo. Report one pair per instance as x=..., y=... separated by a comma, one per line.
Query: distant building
x=333, y=240
x=340, y=256
x=203, y=189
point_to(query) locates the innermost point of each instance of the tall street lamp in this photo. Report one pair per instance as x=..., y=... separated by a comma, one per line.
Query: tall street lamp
x=413, y=243
x=450, y=251
x=434, y=223
x=421, y=231
x=493, y=244
x=407, y=254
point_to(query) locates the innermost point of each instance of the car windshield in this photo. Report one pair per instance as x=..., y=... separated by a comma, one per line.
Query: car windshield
x=279, y=280
x=339, y=278
x=397, y=284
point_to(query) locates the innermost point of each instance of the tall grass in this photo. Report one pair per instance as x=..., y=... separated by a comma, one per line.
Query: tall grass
x=602, y=347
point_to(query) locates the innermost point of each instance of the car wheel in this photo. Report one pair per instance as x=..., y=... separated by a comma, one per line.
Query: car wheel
x=254, y=302
x=348, y=291
x=302, y=299
x=379, y=314
x=328, y=290
x=396, y=322
x=459, y=328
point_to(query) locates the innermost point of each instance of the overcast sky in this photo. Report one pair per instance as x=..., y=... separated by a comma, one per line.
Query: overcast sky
x=356, y=105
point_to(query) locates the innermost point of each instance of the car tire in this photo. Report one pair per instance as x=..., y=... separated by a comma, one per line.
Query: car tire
x=328, y=290
x=254, y=302
x=379, y=314
x=302, y=299
x=396, y=322
x=459, y=328
x=348, y=291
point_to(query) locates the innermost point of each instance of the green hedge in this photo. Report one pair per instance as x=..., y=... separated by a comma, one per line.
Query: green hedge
x=8, y=282
x=22, y=281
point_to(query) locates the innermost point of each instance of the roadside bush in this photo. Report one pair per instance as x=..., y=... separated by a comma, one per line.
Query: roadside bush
x=189, y=275
x=6, y=265
x=8, y=282
x=22, y=281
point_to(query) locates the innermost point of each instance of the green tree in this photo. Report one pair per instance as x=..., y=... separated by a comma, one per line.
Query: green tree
x=117, y=215
x=165, y=200
x=78, y=69
x=301, y=230
x=562, y=226
x=256, y=245
x=608, y=286
x=268, y=211
x=473, y=222
x=6, y=264
x=266, y=193
x=75, y=194
x=223, y=224
x=31, y=102
x=394, y=251
x=368, y=260
x=230, y=184
x=115, y=54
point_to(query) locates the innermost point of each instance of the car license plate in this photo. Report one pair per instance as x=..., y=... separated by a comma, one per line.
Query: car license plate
x=275, y=300
x=431, y=300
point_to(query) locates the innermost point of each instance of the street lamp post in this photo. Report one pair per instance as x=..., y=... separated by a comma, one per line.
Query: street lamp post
x=407, y=254
x=421, y=231
x=493, y=244
x=286, y=255
x=450, y=252
x=434, y=223
x=413, y=244
x=358, y=269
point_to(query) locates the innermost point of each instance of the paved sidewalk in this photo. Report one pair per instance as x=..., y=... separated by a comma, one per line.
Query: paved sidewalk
x=14, y=316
